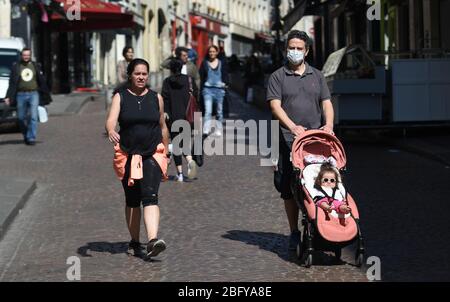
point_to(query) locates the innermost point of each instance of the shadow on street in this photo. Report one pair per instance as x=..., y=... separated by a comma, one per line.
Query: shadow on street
x=277, y=244
x=12, y=142
x=103, y=247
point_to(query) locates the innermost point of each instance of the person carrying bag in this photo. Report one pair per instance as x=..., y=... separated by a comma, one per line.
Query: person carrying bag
x=178, y=92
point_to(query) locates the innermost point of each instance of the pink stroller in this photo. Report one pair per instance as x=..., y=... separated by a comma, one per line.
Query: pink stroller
x=322, y=231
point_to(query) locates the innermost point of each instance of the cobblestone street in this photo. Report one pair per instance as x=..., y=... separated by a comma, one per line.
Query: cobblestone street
x=229, y=225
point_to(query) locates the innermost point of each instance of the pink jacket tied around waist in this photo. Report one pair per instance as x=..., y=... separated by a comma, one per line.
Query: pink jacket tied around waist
x=136, y=173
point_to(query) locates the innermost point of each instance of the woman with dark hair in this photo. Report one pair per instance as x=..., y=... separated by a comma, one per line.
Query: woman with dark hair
x=122, y=66
x=214, y=81
x=140, y=153
x=176, y=91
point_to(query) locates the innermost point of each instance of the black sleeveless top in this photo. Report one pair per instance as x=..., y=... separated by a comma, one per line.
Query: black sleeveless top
x=140, y=131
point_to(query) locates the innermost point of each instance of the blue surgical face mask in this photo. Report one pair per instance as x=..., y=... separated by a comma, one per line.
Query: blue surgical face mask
x=295, y=56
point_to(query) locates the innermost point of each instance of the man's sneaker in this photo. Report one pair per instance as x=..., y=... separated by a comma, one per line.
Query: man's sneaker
x=154, y=247
x=180, y=177
x=294, y=240
x=192, y=169
x=135, y=249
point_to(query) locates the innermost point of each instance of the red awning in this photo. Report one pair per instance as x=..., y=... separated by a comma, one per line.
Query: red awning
x=94, y=15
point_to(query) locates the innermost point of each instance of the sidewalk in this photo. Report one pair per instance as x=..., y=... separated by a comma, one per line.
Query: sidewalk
x=67, y=104
x=13, y=195
x=14, y=192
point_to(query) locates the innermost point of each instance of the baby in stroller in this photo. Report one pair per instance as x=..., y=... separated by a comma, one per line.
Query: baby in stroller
x=330, y=214
x=327, y=182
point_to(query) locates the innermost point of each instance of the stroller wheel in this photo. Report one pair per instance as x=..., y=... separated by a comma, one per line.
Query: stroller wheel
x=359, y=259
x=300, y=250
x=308, y=261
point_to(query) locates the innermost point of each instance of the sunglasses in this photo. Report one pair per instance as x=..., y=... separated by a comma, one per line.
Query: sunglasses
x=331, y=180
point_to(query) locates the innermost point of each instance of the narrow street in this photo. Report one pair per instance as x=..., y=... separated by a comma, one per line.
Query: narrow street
x=229, y=225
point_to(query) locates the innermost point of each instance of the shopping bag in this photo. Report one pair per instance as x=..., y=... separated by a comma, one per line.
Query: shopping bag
x=192, y=106
x=42, y=114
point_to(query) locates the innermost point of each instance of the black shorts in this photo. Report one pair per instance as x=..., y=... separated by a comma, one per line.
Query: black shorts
x=284, y=177
x=146, y=189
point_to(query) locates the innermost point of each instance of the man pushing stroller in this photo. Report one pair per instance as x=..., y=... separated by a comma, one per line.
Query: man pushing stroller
x=300, y=99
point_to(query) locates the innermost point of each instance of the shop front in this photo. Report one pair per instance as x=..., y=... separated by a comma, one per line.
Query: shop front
x=206, y=32
x=70, y=38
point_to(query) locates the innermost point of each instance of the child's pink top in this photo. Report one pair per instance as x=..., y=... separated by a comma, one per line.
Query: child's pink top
x=334, y=203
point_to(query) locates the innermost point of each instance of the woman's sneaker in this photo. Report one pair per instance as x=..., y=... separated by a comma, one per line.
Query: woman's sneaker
x=180, y=177
x=135, y=249
x=154, y=247
x=192, y=169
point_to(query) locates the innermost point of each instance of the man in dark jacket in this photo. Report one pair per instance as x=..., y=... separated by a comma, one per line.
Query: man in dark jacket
x=189, y=68
x=25, y=84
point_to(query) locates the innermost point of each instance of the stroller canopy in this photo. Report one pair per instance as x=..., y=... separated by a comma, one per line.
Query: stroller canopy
x=317, y=142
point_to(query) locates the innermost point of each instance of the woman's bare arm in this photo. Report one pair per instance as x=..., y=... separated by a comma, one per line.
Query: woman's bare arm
x=162, y=123
x=112, y=119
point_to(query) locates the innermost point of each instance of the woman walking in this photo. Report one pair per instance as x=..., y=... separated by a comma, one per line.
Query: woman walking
x=176, y=91
x=140, y=153
x=122, y=65
x=214, y=79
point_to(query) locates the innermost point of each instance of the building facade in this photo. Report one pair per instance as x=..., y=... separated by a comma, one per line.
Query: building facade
x=403, y=29
x=209, y=25
x=249, y=23
x=5, y=18
x=180, y=25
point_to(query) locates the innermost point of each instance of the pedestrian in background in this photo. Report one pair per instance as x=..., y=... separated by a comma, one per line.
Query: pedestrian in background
x=122, y=65
x=141, y=155
x=122, y=76
x=253, y=76
x=234, y=64
x=214, y=82
x=189, y=68
x=176, y=92
x=27, y=90
x=192, y=54
x=300, y=99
